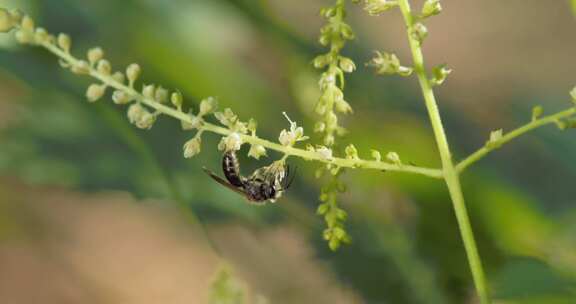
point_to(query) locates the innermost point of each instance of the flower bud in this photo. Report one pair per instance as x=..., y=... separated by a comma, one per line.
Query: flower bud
x=419, y=32
x=393, y=157
x=573, y=95
x=27, y=24
x=439, y=74
x=81, y=67
x=133, y=72
x=95, y=92
x=24, y=37
x=431, y=8
x=351, y=152
x=257, y=151
x=41, y=35
x=192, y=147
x=495, y=137
x=177, y=99
x=347, y=65
x=377, y=7
x=343, y=107
x=6, y=21
x=161, y=95
x=208, y=105
x=376, y=155
x=320, y=61
x=121, y=97
x=148, y=91
x=135, y=111
x=252, y=125
x=94, y=55
x=319, y=127
x=119, y=77
x=64, y=42
x=232, y=142
x=104, y=67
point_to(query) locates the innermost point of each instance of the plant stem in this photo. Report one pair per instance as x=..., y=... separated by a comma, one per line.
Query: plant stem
x=450, y=173
x=206, y=126
x=550, y=119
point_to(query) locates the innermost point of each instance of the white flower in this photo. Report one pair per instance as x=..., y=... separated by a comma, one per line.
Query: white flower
x=257, y=151
x=232, y=142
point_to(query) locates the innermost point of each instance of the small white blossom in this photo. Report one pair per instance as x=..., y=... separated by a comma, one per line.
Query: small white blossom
x=257, y=151
x=192, y=147
x=232, y=142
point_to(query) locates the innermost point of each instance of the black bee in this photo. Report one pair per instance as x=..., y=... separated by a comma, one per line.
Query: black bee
x=264, y=184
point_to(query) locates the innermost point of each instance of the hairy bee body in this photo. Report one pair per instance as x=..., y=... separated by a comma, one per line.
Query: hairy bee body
x=264, y=184
x=231, y=169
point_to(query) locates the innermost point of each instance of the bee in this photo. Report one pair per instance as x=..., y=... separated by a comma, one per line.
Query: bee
x=265, y=184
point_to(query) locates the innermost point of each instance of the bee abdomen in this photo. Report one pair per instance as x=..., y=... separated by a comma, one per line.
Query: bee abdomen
x=231, y=169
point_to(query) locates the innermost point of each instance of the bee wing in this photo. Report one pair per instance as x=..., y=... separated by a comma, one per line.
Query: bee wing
x=223, y=182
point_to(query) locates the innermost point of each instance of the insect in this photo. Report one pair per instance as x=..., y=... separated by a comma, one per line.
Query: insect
x=264, y=184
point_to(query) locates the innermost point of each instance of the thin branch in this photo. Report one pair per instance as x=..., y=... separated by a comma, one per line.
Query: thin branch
x=493, y=145
x=291, y=151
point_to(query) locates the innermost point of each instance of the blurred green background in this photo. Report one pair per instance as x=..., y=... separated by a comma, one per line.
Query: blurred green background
x=93, y=210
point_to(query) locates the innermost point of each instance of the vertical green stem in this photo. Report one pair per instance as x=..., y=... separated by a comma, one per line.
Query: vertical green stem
x=451, y=175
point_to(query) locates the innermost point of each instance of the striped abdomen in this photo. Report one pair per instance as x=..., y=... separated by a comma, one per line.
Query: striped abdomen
x=231, y=169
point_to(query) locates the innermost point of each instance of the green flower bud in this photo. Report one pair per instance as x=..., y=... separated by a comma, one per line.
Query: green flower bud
x=351, y=152
x=257, y=151
x=431, y=8
x=24, y=37
x=177, y=99
x=252, y=125
x=192, y=147
x=81, y=68
x=347, y=65
x=121, y=97
x=41, y=35
x=537, y=112
x=27, y=24
x=104, y=67
x=376, y=155
x=148, y=91
x=6, y=21
x=439, y=74
x=64, y=42
x=133, y=71
x=95, y=92
x=377, y=7
x=119, y=77
x=343, y=107
x=209, y=105
x=419, y=32
x=573, y=94
x=495, y=137
x=161, y=95
x=94, y=55
x=394, y=158
x=321, y=61
x=134, y=112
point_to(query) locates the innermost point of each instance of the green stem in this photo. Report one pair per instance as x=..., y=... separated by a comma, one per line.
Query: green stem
x=290, y=151
x=450, y=173
x=550, y=119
